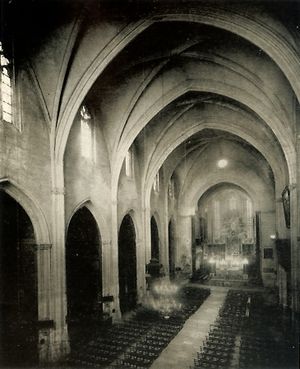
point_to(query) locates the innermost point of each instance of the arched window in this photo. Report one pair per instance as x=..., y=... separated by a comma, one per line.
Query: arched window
x=233, y=203
x=156, y=182
x=86, y=136
x=171, y=188
x=129, y=164
x=6, y=88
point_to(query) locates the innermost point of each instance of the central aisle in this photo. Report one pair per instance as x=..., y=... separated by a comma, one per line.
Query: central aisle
x=182, y=350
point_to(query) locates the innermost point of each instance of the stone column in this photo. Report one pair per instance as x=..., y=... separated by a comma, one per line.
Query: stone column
x=195, y=235
x=164, y=236
x=295, y=247
x=281, y=230
x=268, y=265
x=59, y=334
x=114, y=260
x=107, y=280
x=146, y=223
x=45, y=322
x=140, y=269
x=282, y=286
x=106, y=268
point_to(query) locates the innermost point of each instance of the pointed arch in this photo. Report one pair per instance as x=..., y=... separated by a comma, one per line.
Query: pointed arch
x=83, y=267
x=155, y=243
x=127, y=263
x=31, y=207
x=100, y=220
x=19, y=285
x=275, y=44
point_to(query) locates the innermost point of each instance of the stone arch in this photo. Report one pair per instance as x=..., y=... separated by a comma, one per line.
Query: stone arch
x=155, y=239
x=212, y=187
x=19, y=308
x=31, y=207
x=101, y=222
x=157, y=218
x=189, y=132
x=213, y=181
x=226, y=221
x=136, y=221
x=226, y=127
x=273, y=43
x=227, y=64
x=249, y=101
x=84, y=267
x=127, y=264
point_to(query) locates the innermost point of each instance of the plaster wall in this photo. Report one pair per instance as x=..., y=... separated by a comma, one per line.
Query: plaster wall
x=25, y=153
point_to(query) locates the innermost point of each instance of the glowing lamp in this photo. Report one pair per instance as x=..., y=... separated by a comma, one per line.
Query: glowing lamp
x=222, y=163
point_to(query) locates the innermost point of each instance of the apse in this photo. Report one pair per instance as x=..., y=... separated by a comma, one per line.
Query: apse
x=229, y=248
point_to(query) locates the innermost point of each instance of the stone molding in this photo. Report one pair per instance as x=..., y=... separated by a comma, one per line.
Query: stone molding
x=43, y=246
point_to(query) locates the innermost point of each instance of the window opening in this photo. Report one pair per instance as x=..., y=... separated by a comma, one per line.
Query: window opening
x=171, y=188
x=6, y=88
x=156, y=182
x=86, y=133
x=129, y=163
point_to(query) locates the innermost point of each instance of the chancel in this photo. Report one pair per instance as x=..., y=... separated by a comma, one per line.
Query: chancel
x=149, y=184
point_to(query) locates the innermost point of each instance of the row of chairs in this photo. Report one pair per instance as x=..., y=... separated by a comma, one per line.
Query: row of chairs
x=138, y=341
x=248, y=333
x=269, y=340
x=150, y=346
x=222, y=343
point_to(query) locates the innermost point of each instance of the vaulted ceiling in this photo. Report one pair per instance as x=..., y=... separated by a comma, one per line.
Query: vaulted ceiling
x=187, y=83
x=188, y=94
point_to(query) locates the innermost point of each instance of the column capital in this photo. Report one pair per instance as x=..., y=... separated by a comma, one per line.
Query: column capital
x=106, y=243
x=43, y=246
x=185, y=215
x=146, y=209
x=138, y=241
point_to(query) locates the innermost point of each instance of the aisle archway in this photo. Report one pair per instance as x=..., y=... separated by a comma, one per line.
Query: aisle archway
x=127, y=265
x=83, y=268
x=18, y=285
x=154, y=239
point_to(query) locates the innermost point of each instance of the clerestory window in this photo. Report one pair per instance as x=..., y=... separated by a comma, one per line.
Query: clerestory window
x=156, y=183
x=6, y=88
x=86, y=136
x=171, y=188
x=129, y=164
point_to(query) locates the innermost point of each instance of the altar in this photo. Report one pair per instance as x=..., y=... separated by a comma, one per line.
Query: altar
x=230, y=260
